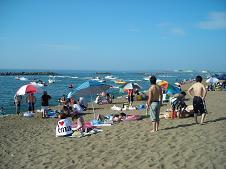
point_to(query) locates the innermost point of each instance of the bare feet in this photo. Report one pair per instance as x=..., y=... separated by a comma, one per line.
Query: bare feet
x=152, y=131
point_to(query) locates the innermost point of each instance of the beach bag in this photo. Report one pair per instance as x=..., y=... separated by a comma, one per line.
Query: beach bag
x=63, y=128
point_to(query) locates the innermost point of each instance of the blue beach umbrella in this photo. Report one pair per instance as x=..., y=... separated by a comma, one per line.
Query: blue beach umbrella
x=91, y=88
x=171, y=89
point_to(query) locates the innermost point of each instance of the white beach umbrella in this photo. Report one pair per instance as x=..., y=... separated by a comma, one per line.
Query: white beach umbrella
x=212, y=80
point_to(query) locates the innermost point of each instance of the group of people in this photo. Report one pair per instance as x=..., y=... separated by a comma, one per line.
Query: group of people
x=104, y=98
x=74, y=108
x=31, y=100
x=197, y=91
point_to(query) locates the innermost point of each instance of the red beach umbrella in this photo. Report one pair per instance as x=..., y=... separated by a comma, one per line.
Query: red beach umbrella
x=28, y=88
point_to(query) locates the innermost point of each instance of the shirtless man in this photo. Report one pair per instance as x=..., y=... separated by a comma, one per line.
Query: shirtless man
x=154, y=102
x=198, y=92
x=31, y=102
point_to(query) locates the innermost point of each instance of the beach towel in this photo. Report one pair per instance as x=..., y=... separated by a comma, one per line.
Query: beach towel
x=79, y=134
x=132, y=117
x=116, y=108
x=87, y=125
x=28, y=114
x=101, y=123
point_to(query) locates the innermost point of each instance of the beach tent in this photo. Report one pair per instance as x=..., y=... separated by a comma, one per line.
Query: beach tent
x=212, y=80
x=91, y=88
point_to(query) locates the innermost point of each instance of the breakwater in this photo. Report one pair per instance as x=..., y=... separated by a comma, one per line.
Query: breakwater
x=27, y=73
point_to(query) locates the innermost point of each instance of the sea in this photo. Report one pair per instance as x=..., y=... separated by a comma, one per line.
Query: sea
x=9, y=84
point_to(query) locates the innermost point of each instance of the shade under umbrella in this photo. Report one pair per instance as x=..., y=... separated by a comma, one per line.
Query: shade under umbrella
x=91, y=88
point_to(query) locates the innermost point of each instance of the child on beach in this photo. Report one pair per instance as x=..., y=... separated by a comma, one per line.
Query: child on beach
x=177, y=102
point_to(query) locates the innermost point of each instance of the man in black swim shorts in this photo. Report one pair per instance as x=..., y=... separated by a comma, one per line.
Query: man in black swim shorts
x=198, y=92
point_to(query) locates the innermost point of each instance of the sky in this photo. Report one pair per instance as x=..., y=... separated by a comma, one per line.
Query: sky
x=113, y=34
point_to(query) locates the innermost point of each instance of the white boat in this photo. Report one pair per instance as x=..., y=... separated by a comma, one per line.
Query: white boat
x=21, y=78
x=147, y=78
x=110, y=77
x=51, y=79
x=98, y=79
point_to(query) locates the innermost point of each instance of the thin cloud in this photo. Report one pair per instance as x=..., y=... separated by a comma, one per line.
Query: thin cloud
x=171, y=29
x=133, y=30
x=216, y=20
x=61, y=46
x=164, y=24
x=177, y=31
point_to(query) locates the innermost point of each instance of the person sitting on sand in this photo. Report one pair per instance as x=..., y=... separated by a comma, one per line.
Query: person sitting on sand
x=177, y=102
x=62, y=100
x=77, y=108
x=198, y=92
x=68, y=112
x=79, y=120
x=83, y=104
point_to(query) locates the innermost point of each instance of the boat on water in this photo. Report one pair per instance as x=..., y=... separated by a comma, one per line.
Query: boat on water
x=21, y=78
x=98, y=79
x=51, y=79
x=147, y=78
x=110, y=77
x=120, y=82
x=39, y=83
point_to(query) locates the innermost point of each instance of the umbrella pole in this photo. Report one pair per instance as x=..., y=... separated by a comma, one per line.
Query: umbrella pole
x=92, y=106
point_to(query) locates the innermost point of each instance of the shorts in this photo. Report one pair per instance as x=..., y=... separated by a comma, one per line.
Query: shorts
x=154, y=111
x=198, y=105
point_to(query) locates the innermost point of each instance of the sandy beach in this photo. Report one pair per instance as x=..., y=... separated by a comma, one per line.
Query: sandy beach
x=180, y=144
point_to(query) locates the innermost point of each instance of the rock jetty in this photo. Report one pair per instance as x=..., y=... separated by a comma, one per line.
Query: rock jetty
x=26, y=73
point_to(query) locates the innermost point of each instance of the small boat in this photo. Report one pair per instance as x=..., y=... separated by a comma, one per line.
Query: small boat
x=98, y=79
x=37, y=84
x=120, y=82
x=51, y=79
x=147, y=78
x=110, y=77
x=21, y=78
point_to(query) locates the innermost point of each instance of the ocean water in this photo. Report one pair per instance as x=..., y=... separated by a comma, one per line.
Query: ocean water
x=9, y=85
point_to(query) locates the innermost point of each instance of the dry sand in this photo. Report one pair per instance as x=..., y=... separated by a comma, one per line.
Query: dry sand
x=31, y=142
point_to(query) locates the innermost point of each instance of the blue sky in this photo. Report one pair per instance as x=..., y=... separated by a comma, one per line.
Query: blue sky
x=113, y=34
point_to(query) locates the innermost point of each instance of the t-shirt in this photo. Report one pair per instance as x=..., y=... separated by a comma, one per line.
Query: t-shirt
x=45, y=100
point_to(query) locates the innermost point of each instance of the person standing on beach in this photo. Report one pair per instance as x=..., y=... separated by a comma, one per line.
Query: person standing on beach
x=198, y=92
x=154, y=102
x=31, y=102
x=17, y=102
x=45, y=103
x=130, y=97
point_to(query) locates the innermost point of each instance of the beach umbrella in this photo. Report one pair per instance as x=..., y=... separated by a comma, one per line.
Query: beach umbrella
x=163, y=84
x=28, y=88
x=130, y=86
x=91, y=88
x=212, y=80
x=171, y=89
